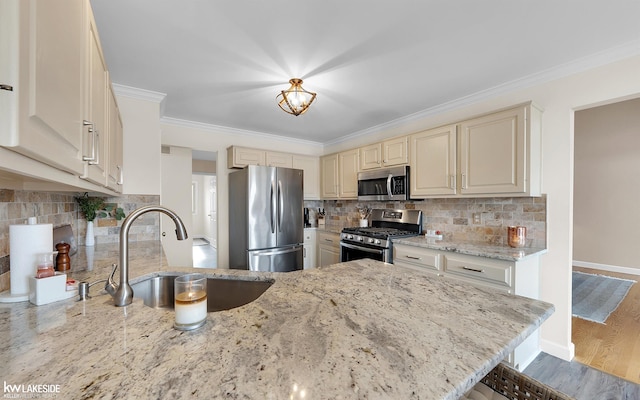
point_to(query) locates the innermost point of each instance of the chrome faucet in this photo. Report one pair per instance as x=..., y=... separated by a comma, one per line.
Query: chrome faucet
x=123, y=293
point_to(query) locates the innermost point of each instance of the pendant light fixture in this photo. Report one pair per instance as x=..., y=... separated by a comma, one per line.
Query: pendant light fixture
x=295, y=100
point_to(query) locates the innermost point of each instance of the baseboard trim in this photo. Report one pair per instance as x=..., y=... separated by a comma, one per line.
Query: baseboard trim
x=562, y=352
x=606, y=267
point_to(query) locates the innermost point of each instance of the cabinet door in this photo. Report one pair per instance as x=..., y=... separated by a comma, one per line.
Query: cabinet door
x=311, y=167
x=370, y=156
x=328, y=248
x=44, y=111
x=310, y=246
x=395, y=152
x=492, y=153
x=96, y=111
x=433, y=162
x=240, y=157
x=115, y=172
x=348, y=174
x=274, y=159
x=329, y=176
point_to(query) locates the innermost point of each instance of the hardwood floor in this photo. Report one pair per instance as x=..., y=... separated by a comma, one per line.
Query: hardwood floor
x=615, y=347
x=580, y=381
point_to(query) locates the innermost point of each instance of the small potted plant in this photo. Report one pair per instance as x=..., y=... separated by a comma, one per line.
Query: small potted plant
x=89, y=206
x=95, y=207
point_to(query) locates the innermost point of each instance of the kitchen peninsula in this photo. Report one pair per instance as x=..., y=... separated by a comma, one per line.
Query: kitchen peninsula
x=361, y=329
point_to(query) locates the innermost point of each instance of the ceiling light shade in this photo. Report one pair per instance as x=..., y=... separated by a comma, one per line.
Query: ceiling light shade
x=295, y=100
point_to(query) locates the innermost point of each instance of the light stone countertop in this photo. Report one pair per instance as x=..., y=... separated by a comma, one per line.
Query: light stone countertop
x=356, y=330
x=473, y=249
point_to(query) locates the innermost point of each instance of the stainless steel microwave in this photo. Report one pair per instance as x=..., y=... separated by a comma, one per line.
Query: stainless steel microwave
x=384, y=184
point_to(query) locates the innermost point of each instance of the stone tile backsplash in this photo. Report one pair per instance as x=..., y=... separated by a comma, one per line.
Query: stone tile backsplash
x=455, y=217
x=61, y=209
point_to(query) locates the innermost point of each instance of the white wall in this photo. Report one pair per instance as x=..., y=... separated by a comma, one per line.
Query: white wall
x=559, y=99
x=141, y=145
x=606, y=190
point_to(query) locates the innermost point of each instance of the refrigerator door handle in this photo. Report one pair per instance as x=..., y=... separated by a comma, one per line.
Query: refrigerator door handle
x=272, y=201
x=280, y=206
x=274, y=252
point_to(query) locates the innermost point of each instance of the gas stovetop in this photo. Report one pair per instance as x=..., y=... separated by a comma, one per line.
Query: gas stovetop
x=385, y=225
x=380, y=233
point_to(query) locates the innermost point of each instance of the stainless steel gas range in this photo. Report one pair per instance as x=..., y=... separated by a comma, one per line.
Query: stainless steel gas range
x=375, y=241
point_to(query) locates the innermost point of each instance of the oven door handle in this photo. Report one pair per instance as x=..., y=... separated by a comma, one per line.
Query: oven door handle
x=361, y=248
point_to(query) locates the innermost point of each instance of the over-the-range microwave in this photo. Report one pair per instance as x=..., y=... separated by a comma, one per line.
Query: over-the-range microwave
x=384, y=184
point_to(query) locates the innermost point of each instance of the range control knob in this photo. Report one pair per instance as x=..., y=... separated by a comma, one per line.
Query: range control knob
x=377, y=241
x=360, y=239
x=350, y=237
x=370, y=240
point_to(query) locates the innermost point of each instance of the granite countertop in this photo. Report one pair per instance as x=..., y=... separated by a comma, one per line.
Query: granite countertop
x=473, y=249
x=361, y=329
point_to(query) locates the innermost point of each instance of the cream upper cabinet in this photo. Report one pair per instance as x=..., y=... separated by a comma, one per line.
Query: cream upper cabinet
x=370, y=156
x=275, y=159
x=339, y=175
x=348, y=174
x=96, y=118
x=385, y=154
x=433, y=162
x=329, y=176
x=56, y=114
x=115, y=172
x=311, y=167
x=395, y=152
x=43, y=64
x=240, y=157
x=500, y=153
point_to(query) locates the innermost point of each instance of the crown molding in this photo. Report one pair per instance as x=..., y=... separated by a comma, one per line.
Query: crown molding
x=141, y=94
x=234, y=131
x=605, y=57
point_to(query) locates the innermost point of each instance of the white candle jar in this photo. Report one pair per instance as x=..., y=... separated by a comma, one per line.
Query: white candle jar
x=190, y=301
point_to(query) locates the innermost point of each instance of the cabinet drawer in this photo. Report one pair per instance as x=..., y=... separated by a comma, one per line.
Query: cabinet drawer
x=408, y=256
x=489, y=271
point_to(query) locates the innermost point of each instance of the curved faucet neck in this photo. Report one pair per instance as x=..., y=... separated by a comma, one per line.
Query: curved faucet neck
x=123, y=294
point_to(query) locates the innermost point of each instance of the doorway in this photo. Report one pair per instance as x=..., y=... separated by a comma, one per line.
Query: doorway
x=204, y=209
x=607, y=157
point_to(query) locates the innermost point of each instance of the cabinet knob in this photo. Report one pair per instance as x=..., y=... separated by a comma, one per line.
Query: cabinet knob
x=6, y=87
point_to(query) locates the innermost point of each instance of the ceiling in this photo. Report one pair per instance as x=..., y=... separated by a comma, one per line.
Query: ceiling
x=222, y=62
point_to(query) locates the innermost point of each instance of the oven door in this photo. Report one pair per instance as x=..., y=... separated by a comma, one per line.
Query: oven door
x=350, y=252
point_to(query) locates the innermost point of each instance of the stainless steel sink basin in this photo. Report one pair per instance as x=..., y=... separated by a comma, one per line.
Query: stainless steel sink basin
x=222, y=294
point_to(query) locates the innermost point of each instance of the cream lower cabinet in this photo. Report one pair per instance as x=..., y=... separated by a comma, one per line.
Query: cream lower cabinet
x=328, y=248
x=512, y=277
x=339, y=175
x=310, y=245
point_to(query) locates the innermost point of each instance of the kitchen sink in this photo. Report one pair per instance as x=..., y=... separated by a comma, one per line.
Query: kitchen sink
x=222, y=294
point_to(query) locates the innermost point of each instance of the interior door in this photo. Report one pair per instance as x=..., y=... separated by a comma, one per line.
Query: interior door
x=176, y=195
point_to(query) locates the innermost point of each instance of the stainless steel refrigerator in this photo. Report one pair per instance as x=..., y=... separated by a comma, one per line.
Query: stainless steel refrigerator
x=266, y=227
